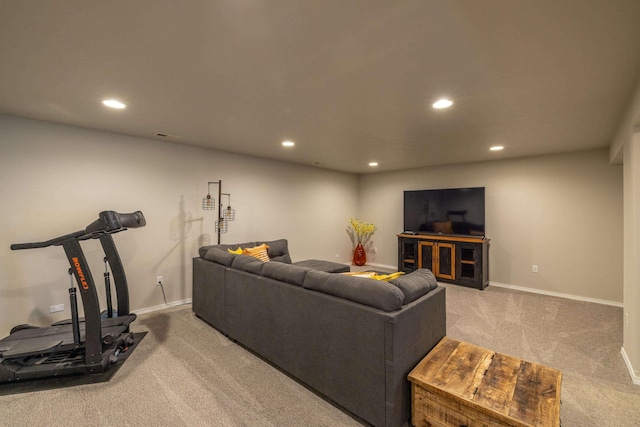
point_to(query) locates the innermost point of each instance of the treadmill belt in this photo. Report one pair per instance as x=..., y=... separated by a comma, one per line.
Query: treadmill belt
x=43, y=337
x=19, y=387
x=31, y=347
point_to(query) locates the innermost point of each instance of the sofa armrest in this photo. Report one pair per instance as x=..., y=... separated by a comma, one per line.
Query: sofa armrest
x=208, y=294
x=411, y=333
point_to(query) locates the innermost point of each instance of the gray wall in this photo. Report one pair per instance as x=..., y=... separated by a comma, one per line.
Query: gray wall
x=631, y=322
x=561, y=212
x=56, y=179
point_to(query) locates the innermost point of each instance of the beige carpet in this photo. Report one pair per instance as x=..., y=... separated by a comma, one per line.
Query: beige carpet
x=184, y=373
x=582, y=339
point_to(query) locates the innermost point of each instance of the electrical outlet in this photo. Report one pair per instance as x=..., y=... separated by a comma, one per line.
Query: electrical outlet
x=159, y=280
x=534, y=268
x=56, y=308
x=626, y=320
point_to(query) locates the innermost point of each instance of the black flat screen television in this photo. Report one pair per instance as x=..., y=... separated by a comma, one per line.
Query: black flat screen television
x=455, y=211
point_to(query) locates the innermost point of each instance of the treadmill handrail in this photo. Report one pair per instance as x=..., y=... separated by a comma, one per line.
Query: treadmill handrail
x=53, y=242
x=108, y=222
x=112, y=222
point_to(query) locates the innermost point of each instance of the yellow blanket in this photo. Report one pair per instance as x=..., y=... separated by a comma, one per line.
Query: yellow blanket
x=375, y=276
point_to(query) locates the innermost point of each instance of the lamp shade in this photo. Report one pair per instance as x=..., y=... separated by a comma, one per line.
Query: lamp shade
x=229, y=214
x=221, y=227
x=208, y=203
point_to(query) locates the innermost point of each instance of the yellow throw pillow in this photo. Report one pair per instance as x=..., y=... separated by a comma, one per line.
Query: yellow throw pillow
x=387, y=277
x=237, y=251
x=259, y=252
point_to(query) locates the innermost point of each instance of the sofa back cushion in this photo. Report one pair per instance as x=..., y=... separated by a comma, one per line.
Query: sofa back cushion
x=416, y=284
x=278, y=250
x=374, y=293
x=248, y=263
x=284, y=272
x=203, y=250
x=220, y=256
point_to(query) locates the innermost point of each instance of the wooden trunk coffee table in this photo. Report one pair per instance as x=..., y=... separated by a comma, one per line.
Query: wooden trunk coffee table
x=460, y=384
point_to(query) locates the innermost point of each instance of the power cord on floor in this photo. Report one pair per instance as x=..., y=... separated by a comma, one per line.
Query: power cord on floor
x=163, y=295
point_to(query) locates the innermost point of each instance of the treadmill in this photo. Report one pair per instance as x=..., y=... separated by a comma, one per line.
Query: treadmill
x=77, y=346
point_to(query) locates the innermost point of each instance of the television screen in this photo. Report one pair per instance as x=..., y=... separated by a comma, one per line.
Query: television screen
x=445, y=211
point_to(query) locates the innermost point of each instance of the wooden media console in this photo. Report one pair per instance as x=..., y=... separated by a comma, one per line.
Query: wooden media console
x=463, y=260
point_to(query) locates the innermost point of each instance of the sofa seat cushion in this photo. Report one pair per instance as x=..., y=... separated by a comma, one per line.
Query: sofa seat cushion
x=416, y=284
x=327, y=266
x=374, y=293
x=284, y=272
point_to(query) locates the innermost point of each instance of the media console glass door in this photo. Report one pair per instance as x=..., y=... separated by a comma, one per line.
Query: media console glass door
x=439, y=258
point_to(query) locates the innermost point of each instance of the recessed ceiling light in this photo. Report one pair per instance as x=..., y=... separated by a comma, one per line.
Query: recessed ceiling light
x=373, y=164
x=112, y=103
x=442, y=103
x=496, y=148
x=288, y=144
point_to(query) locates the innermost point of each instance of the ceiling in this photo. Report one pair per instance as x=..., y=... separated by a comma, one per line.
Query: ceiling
x=350, y=81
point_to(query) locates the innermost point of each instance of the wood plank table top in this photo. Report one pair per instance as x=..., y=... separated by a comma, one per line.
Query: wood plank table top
x=511, y=390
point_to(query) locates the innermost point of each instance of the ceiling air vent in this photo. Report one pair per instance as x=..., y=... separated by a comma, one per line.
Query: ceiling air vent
x=166, y=135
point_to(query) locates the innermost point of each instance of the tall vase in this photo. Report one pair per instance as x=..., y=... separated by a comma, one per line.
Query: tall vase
x=359, y=255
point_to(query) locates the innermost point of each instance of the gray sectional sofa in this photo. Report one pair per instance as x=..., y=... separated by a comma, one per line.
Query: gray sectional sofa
x=351, y=339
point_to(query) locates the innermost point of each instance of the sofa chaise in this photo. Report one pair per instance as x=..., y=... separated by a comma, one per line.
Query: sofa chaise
x=353, y=340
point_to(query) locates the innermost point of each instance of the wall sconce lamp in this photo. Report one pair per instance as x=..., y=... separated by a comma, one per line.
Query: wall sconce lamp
x=209, y=204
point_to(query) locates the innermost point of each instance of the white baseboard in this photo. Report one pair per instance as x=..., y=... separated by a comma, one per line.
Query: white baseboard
x=632, y=372
x=162, y=306
x=390, y=267
x=556, y=294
